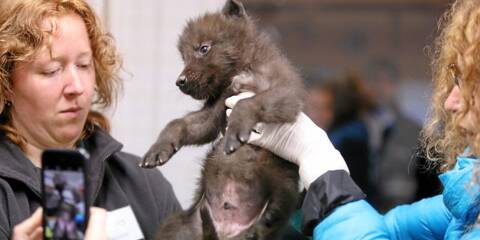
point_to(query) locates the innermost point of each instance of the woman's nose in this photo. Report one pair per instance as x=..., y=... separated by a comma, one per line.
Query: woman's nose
x=453, y=101
x=74, y=83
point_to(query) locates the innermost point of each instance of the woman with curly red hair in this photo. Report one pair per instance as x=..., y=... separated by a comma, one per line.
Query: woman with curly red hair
x=57, y=65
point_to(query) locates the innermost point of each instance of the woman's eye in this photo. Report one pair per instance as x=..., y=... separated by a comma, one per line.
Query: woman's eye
x=49, y=73
x=85, y=66
x=204, y=49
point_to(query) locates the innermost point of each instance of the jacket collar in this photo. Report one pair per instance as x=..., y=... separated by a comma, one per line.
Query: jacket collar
x=100, y=147
x=461, y=193
x=16, y=166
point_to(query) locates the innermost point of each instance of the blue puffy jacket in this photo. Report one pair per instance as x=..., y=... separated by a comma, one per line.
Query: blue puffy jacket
x=451, y=215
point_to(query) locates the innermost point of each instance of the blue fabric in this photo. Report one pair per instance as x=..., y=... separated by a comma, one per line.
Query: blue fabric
x=472, y=234
x=353, y=130
x=426, y=219
x=355, y=220
x=460, y=194
x=447, y=216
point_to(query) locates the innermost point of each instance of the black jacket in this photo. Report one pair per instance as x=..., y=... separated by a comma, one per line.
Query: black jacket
x=113, y=178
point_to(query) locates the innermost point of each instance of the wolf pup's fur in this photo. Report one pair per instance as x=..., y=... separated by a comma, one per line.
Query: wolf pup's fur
x=245, y=192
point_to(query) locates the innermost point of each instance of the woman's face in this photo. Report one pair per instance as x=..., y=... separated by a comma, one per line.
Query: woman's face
x=53, y=92
x=453, y=104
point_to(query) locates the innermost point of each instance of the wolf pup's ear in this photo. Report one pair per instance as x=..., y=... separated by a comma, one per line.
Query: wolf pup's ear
x=234, y=8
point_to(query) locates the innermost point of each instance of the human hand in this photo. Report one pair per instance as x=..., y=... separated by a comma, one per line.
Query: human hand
x=301, y=142
x=97, y=224
x=31, y=228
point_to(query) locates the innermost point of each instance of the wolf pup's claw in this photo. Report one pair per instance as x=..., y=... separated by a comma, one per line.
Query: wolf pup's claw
x=231, y=145
x=234, y=139
x=154, y=159
x=159, y=154
x=147, y=162
x=161, y=160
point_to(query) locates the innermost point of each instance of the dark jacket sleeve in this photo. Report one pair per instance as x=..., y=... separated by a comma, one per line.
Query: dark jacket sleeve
x=4, y=222
x=332, y=189
x=147, y=191
x=14, y=209
x=334, y=203
x=163, y=193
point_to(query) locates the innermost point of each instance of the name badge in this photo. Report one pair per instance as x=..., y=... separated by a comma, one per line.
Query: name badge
x=122, y=225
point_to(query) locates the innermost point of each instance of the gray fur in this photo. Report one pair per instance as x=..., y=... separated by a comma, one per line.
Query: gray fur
x=224, y=53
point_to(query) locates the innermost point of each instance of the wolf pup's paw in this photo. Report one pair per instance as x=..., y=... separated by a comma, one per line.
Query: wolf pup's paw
x=238, y=132
x=159, y=154
x=234, y=138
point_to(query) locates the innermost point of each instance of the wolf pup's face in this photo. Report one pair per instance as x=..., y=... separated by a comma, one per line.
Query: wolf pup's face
x=212, y=48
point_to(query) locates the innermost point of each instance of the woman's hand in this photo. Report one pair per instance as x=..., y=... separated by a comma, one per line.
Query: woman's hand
x=31, y=228
x=97, y=224
x=301, y=142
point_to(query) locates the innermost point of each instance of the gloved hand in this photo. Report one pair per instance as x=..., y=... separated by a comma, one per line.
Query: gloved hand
x=301, y=142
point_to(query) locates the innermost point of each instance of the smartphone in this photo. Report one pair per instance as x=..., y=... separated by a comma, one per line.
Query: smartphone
x=65, y=209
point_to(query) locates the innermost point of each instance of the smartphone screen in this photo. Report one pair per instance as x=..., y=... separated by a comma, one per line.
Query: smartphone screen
x=64, y=188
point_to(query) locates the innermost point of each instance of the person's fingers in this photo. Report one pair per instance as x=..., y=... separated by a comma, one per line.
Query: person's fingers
x=231, y=101
x=256, y=133
x=37, y=234
x=31, y=228
x=31, y=223
x=259, y=128
x=97, y=222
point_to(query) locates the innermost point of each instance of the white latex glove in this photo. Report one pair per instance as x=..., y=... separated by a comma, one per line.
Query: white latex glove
x=301, y=142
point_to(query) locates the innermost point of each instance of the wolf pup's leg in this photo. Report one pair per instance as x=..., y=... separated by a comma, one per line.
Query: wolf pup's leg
x=275, y=218
x=196, y=128
x=276, y=105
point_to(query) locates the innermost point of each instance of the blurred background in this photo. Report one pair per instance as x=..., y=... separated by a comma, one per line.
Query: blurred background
x=373, y=52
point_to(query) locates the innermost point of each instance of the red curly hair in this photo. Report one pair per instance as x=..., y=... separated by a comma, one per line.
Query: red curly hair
x=21, y=36
x=456, y=58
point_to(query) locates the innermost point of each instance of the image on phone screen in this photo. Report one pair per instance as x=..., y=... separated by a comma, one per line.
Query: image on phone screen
x=64, y=200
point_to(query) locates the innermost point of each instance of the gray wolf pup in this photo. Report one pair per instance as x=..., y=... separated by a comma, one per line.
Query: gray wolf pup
x=244, y=192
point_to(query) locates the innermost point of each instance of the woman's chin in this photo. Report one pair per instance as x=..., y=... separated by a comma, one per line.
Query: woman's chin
x=67, y=132
x=69, y=136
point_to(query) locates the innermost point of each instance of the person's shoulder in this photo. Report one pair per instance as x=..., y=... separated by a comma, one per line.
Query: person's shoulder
x=460, y=194
x=151, y=178
x=130, y=163
x=127, y=158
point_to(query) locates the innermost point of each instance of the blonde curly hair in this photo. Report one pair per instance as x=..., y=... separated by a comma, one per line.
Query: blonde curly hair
x=455, y=61
x=21, y=36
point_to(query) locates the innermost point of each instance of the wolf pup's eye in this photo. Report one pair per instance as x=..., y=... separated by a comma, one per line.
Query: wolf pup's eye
x=204, y=49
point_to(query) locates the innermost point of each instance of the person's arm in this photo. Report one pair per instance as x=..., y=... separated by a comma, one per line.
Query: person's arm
x=334, y=205
x=354, y=220
x=4, y=222
x=426, y=219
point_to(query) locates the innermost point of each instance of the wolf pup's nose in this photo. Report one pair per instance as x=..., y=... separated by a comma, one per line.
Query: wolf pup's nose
x=181, y=81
